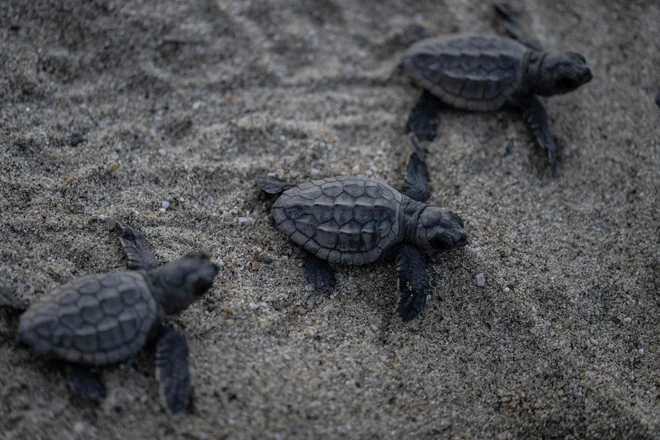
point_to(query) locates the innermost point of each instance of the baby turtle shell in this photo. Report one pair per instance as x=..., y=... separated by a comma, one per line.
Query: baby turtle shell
x=469, y=72
x=342, y=220
x=97, y=319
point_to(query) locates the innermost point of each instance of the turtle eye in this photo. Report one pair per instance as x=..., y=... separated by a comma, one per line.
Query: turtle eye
x=567, y=83
x=202, y=286
x=438, y=243
x=578, y=56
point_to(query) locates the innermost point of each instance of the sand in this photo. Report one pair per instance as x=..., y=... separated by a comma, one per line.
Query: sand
x=110, y=108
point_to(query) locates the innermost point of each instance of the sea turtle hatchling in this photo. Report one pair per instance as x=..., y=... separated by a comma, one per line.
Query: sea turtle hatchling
x=352, y=220
x=107, y=318
x=484, y=73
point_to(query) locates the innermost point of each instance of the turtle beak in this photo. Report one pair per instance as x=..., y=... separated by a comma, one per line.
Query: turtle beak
x=205, y=278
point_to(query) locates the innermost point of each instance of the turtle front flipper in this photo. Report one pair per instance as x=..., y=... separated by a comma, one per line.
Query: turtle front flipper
x=85, y=381
x=137, y=249
x=416, y=183
x=8, y=299
x=317, y=271
x=537, y=119
x=413, y=280
x=513, y=28
x=172, y=370
x=423, y=117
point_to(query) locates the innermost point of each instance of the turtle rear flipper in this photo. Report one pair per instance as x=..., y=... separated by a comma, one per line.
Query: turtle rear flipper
x=271, y=185
x=416, y=183
x=413, y=281
x=140, y=257
x=317, y=271
x=8, y=299
x=172, y=370
x=85, y=381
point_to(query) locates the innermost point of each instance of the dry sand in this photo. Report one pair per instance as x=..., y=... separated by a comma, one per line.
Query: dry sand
x=562, y=341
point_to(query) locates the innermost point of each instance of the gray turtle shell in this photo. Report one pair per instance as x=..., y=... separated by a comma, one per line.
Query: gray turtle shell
x=468, y=72
x=94, y=320
x=348, y=220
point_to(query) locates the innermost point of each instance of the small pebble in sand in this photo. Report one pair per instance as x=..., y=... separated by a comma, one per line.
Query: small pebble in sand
x=315, y=171
x=101, y=218
x=253, y=306
x=79, y=427
x=481, y=280
x=76, y=139
x=163, y=210
x=162, y=152
x=245, y=220
x=165, y=204
x=112, y=167
x=641, y=351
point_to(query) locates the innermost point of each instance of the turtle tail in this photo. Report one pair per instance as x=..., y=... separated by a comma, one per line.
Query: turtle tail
x=273, y=186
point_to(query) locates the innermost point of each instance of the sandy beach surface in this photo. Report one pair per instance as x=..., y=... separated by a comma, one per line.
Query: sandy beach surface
x=112, y=107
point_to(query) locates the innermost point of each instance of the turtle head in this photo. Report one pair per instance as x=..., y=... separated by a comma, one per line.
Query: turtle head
x=561, y=73
x=439, y=229
x=184, y=281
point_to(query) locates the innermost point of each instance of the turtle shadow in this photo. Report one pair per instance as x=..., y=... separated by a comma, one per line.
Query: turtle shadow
x=9, y=328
